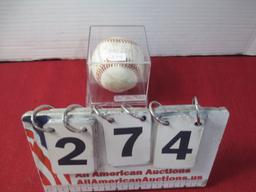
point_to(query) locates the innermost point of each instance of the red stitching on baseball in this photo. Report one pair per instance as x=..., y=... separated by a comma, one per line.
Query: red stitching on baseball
x=103, y=67
x=119, y=40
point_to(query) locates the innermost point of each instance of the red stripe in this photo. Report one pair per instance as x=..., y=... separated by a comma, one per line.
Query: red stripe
x=37, y=150
x=44, y=179
x=29, y=133
x=68, y=178
x=44, y=159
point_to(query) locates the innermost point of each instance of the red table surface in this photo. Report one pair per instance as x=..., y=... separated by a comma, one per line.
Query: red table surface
x=216, y=81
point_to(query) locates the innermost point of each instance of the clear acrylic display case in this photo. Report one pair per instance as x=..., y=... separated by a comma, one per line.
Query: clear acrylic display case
x=118, y=66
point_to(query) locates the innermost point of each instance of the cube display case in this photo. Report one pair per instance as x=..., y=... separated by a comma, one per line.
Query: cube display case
x=118, y=65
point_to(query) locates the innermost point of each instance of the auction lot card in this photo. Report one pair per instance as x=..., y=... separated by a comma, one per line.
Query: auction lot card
x=149, y=175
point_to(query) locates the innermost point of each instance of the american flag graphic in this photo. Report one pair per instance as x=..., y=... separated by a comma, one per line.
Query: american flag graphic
x=39, y=151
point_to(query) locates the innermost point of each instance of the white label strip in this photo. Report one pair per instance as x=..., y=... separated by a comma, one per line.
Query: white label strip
x=123, y=98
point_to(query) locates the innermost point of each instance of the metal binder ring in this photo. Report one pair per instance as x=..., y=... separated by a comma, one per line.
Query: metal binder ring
x=33, y=119
x=65, y=119
x=102, y=115
x=195, y=102
x=156, y=117
x=125, y=108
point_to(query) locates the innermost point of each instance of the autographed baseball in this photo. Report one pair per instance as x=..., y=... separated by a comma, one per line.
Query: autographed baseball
x=117, y=64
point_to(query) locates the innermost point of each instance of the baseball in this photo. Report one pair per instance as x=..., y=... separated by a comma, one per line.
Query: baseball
x=117, y=64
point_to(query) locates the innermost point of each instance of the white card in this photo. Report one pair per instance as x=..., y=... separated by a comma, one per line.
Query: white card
x=70, y=152
x=176, y=145
x=116, y=57
x=128, y=139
